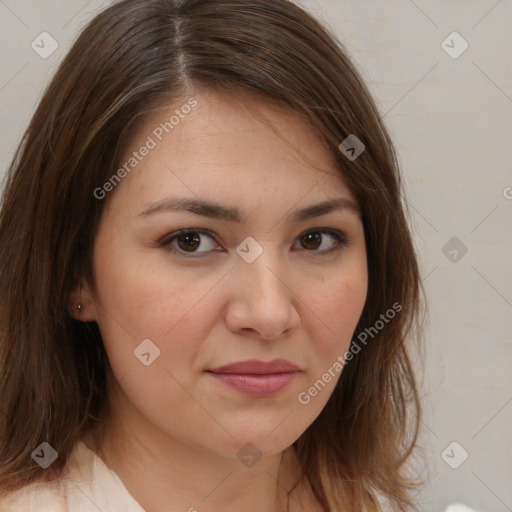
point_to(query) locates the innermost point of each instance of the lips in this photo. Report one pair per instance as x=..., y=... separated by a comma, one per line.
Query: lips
x=258, y=367
x=257, y=379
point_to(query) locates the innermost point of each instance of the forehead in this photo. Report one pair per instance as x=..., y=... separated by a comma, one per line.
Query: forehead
x=225, y=142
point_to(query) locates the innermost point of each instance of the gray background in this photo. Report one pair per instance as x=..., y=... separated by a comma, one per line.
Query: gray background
x=451, y=119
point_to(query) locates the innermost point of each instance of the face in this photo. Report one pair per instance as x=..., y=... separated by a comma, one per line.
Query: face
x=221, y=295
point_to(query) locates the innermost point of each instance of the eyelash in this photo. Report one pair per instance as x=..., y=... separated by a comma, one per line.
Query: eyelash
x=341, y=241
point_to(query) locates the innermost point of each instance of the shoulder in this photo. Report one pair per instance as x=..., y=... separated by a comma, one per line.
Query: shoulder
x=86, y=482
x=36, y=497
x=53, y=496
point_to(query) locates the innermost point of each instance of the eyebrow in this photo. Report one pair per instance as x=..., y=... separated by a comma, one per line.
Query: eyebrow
x=228, y=213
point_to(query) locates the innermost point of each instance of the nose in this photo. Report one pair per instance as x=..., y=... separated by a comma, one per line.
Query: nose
x=263, y=302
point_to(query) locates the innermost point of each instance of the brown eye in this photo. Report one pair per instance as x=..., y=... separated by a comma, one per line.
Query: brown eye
x=189, y=242
x=312, y=240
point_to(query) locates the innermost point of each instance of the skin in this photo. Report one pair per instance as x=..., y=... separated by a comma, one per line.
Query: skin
x=171, y=423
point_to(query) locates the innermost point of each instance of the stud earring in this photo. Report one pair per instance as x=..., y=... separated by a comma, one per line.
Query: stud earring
x=79, y=305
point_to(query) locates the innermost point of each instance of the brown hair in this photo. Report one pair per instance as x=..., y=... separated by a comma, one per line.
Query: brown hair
x=133, y=57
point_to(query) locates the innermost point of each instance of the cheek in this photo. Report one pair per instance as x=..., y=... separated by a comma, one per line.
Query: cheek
x=339, y=304
x=339, y=308
x=139, y=299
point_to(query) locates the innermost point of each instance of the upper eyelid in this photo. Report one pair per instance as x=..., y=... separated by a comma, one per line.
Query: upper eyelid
x=175, y=234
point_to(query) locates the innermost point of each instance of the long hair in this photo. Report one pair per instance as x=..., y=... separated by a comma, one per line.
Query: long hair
x=131, y=58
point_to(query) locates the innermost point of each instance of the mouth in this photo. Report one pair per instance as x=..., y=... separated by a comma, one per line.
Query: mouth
x=257, y=378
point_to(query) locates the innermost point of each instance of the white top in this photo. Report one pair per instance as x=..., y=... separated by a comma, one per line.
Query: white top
x=86, y=485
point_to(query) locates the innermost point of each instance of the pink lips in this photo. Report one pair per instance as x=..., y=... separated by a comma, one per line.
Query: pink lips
x=257, y=378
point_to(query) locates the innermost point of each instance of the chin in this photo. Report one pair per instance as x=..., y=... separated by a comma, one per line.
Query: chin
x=262, y=437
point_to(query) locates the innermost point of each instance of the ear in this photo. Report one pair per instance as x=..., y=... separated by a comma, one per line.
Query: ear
x=81, y=295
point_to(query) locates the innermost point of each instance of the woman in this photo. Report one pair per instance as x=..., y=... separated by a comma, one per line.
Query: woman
x=207, y=276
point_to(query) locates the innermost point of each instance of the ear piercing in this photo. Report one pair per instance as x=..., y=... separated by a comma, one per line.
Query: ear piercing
x=79, y=306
